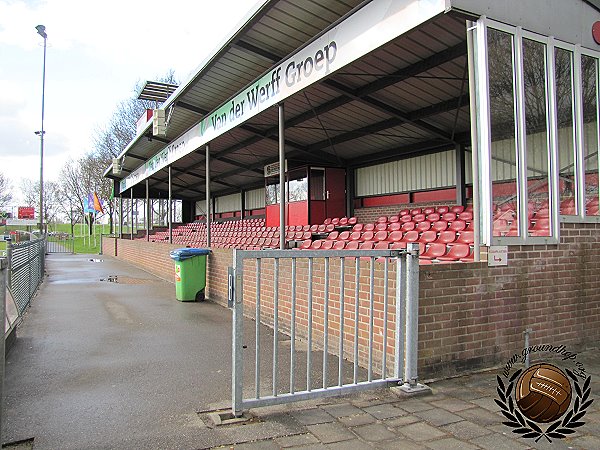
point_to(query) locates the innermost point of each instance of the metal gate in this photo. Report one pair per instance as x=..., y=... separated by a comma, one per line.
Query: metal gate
x=25, y=271
x=60, y=243
x=338, y=321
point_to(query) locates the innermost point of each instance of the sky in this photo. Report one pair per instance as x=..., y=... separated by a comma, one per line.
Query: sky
x=96, y=53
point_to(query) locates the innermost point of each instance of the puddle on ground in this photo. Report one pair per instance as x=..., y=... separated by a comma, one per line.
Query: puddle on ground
x=127, y=280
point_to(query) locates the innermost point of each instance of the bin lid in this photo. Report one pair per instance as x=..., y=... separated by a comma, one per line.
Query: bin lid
x=185, y=253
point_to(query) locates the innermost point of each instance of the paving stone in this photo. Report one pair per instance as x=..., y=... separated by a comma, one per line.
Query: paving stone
x=413, y=405
x=258, y=445
x=312, y=416
x=450, y=444
x=358, y=420
x=438, y=417
x=342, y=410
x=421, y=431
x=481, y=416
x=467, y=394
x=586, y=442
x=400, y=443
x=401, y=421
x=496, y=441
x=374, y=433
x=299, y=439
x=385, y=411
x=466, y=430
x=453, y=404
x=330, y=432
x=487, y=403
x=354, y=444
x=318, y=446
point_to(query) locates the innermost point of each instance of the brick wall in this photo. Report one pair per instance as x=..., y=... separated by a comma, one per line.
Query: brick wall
x=470, y=316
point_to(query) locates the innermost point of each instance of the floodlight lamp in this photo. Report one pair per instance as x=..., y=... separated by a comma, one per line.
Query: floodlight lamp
x=41, y=29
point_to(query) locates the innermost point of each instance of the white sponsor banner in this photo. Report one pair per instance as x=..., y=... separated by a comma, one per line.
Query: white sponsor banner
x=367, y=29
x=27, y=222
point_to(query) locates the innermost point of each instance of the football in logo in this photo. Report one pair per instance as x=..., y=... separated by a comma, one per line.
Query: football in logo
x=543, y=393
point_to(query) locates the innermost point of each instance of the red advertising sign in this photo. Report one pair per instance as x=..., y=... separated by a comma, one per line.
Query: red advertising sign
x=26, y=212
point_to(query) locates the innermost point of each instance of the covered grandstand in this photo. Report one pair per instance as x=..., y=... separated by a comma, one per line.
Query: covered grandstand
x=461, y=125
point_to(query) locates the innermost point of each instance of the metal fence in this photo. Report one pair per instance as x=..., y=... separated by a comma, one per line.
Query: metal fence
x=60, y=243
x=25, y=271
x=338, y=321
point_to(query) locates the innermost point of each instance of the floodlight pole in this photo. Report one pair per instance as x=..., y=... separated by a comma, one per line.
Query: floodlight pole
x=41, y=29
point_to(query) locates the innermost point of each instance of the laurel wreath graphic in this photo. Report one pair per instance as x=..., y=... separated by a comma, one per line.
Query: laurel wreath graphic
x=528, y=429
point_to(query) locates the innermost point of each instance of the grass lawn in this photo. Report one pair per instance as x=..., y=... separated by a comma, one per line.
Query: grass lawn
x=82, y=242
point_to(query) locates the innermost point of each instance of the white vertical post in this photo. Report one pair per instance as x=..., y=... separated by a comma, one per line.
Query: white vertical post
x=147, y=211
x=282, y=174
x=238, y=336
x=208, y=196
x=170, y=207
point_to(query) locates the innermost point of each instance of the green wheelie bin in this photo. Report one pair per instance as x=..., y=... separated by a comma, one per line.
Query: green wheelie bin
x=190, y=273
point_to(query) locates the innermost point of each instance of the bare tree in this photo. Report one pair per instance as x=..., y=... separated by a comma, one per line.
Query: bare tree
x=5, y=191
x=52, y=198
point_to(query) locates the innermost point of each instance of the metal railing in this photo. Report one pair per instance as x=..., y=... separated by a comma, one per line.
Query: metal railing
x=25, y=271
x=353, y=313
x=60, y=243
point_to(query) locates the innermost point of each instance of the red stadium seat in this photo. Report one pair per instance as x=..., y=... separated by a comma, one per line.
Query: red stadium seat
x=394, y=226
x=404, y=212
x=428, y=210
x=442, y=209
x=358, y=227
x=411, y=236
x=368, y=245
x=439, y=226
x=383, y=245
x=418, y=218
x=316, y=244
x=449, y=216
x=381, y=236
x=457, y=209
x=395, y=236
x=314, y=228
x=343, y=221
x=382, y=219
x=393, y=219
x=457, y=225
x=408, y=226
x=329, y=228
x=369, y=227
x=398, y=245
x=321, y=228
x=427, y=237
x=465, y=237
x=327, y=245
x=327, y=221
x=406, y=218
x=339, y=245
x=381, y=226
x=466, y=216
x=367, y=236
x=456, y=253
x=355, y=236
x=434, y=250
x=416, y=211
x=446, y=237
x=433, y=217
x=352, y=221
x=352, y=245
x=333, y=236
x=344, y=236
x=423, y=226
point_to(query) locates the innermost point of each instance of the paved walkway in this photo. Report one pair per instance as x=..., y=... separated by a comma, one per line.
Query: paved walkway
x=101, y=365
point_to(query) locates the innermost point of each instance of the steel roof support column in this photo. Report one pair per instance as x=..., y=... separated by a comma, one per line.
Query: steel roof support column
x=208, y=196
x=461, y=197
x=120, y=216
x=170, y=203
x=476, y=180
x=131, y=205
x=147, y=212
x=282, y=198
